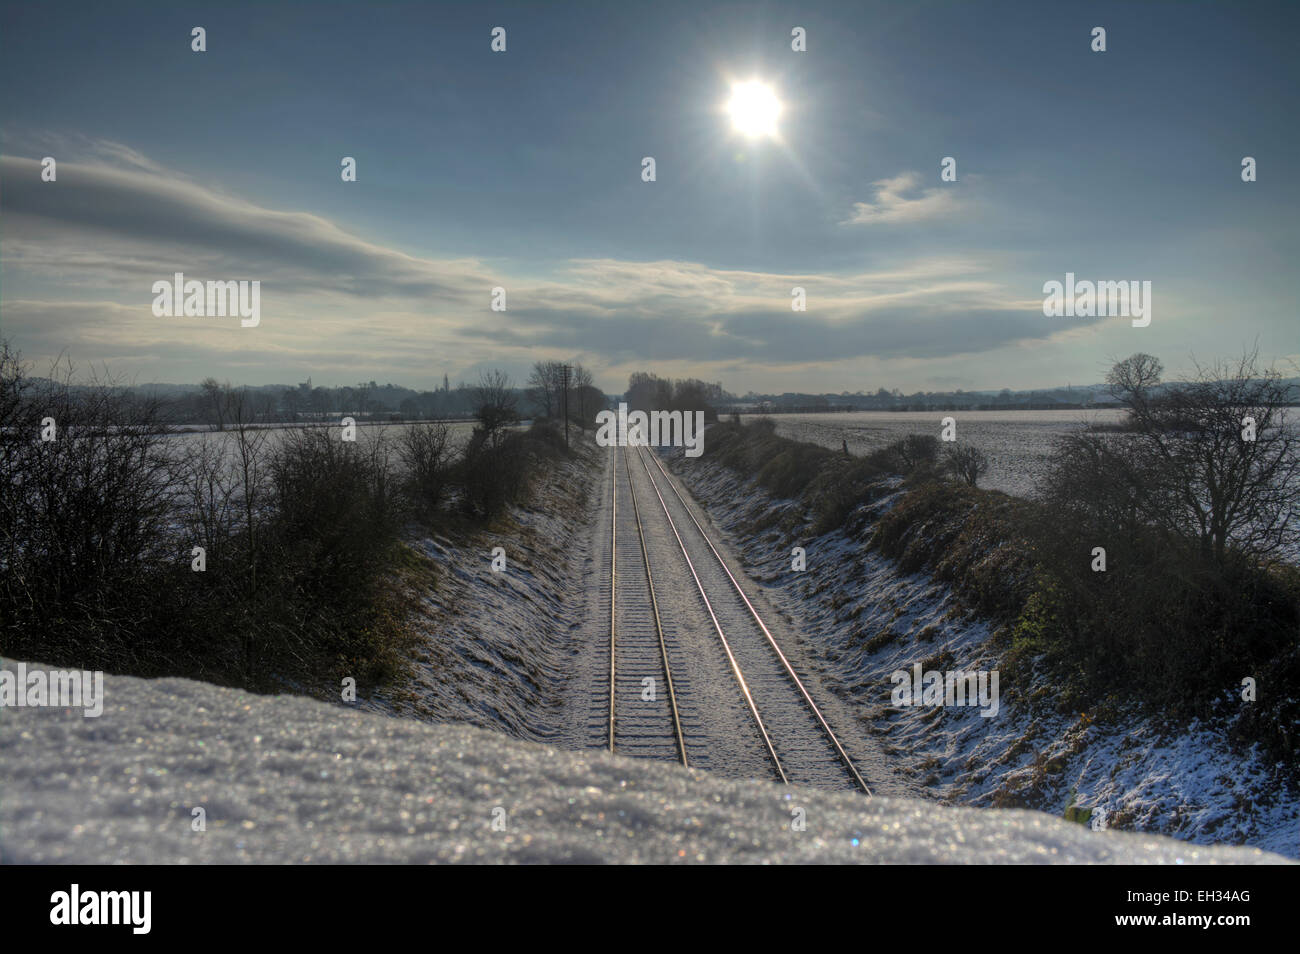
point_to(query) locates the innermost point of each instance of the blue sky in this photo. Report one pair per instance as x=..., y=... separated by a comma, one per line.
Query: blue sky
x=522, y=169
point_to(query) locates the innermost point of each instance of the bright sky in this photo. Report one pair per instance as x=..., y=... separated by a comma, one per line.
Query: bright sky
x=523, y=169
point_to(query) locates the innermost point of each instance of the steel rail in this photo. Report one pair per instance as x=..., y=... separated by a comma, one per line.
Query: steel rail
x=654, y=607
x=843, y=755
x=735, y=666
x=613, y=582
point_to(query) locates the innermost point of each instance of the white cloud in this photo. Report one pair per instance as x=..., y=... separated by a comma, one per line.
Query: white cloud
x=892, y=205
x=328, y=296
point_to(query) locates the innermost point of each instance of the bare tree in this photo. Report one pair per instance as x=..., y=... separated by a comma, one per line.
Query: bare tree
x=587, y=400
x=916, y=451
x=583, y=398
x=1210, y=458
x=251, y=465
x=215, y=394
x=362, y=393
x=426, y=453
x=495, y=404
x=1131, y=381
x=545, y=386
x=84, y=514
x=967, y=463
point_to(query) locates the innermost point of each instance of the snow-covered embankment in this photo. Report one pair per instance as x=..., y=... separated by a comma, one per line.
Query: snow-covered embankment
x=863, y=619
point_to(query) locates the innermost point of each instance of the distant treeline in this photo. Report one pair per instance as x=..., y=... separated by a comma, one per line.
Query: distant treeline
x=927, y=405
x=1087, y=397
x=541, y=395
x=210, y=402
x=649, y=392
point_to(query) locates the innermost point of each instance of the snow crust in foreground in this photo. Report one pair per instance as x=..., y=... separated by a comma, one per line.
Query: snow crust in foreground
x=289, y=779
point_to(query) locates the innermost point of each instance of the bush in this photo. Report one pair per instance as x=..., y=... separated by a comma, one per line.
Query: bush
x=843, y=485
x=783, y=467
x=305, y=579
x=83, y=521
x=914, y=452
x=302, y=583
x=831, y=485
x=98, y=529
x=426, y=458
x=329, y=546
x=977, y=540
x=497, y=472
x=967, y=464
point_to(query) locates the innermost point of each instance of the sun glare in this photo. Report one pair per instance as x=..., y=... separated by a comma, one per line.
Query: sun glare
x=753, y=109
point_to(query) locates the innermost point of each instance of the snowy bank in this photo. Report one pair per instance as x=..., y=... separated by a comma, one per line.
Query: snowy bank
x=289, y=779
x=494, y=648
x=863, y=619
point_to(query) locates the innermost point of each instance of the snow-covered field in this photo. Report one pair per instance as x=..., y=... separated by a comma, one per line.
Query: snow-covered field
x=458, y=435
x=1017, y=443
x=864, y=620
x=287, y=779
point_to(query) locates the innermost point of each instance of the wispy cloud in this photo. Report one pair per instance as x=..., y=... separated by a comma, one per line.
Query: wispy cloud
x=894, y=203
x=129, y=222
x=117, y=229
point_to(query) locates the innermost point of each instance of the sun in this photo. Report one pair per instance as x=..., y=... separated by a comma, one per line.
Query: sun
x=754, y=109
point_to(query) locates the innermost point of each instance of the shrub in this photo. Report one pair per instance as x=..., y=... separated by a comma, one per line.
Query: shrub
x=83, y=520
x=426, y=457
x=98, y=527
x=967, y=464
x=914, y=452
x=494, y=475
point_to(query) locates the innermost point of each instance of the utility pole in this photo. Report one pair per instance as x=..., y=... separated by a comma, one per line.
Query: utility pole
x=565, y=369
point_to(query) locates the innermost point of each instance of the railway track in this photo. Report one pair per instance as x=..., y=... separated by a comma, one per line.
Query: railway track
x=793, y=733
x=640, y=673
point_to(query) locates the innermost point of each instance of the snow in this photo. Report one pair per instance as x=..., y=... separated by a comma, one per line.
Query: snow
x=1018, y=444
x=495, y=649
x=290, y=779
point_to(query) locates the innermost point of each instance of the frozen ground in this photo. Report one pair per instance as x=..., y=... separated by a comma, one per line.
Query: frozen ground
x=864, y=620
x=496, y=651
x=183, y=439
x=289, y=779
x=1017, y=443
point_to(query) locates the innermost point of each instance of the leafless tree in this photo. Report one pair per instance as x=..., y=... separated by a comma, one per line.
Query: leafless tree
x=1210, y=458
x=967, y=463
x=251, y=466
x=1132, y=380
x=426, y=455
x=495, y=404
x=545, y=385
x=916, y=451
x=84, y=512
x=587, y=401
x=216, y=394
